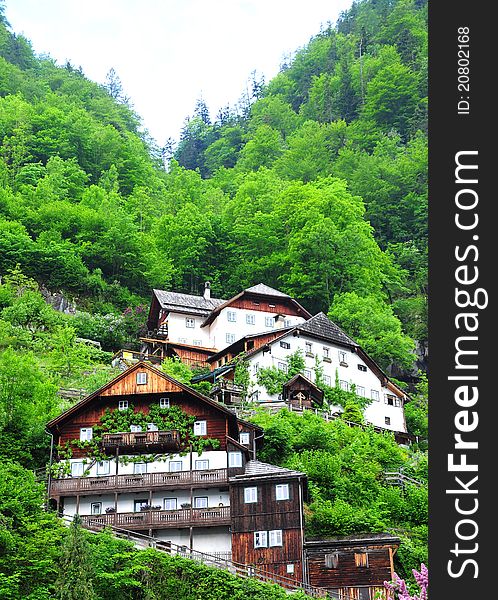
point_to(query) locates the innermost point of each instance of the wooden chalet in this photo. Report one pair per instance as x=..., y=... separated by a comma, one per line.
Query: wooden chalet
x=352, y=567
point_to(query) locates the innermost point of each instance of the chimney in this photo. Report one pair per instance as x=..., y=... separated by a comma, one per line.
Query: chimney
x=207, y=290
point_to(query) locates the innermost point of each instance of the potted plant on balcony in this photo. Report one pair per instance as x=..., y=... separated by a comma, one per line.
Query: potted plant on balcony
x=186, y=505
x=156, y=507
x=145, y=507
x=110, y=509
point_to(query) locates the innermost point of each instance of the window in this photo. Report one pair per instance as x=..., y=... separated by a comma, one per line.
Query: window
x=362, y=368
x=170, y=504
x=139, y=468
x=275, y=538
x=285, y=345
x=200, y=428
x=189, y=322
x=103, y=467
x=282, y=491
x=375, y=395
x=175, y=465
x=76, y=469
x=392, y=400
x=201, y=465
x=139, y=504
x=282, y=367
x=255, y=368
x=342, y=358
x=250, y=494
x=86, y=434
x=200, y=502
x=308, y=346
x=271, y=305
x=255, y=303
x=182, y=340
x=344, y=385
x=197, y=342
x=152, y=427
x=141, y=378
x=326, y=352
x=269, y=322
x=332, y=560
x=235, y=459
x=164, y=402
x=361, y=559
x=232, y=316
x=288, y=322
x=230, y=338
x=387, y=420
x=251, y=319
x=260, y=539
x=360, y=391
x=290, y=570
x=123, y=405
x=135, y=428
x=245, y=437
x=327, y=380
x=307, y=374
x=96, y=508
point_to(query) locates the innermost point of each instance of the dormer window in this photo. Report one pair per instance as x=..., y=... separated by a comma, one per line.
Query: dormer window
x=141, y=378
x=123, y=405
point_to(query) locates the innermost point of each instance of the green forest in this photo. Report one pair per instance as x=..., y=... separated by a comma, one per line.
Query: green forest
x=315, y=183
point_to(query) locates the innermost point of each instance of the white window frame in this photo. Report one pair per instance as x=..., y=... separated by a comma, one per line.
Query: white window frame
x=164, y=403
x=250, y=495
x=77, y=469
x=269, y=322
x=176, y=463
x=343, y=356
x=234, y=459
x=189, y=323
x=282, y=491
x=261, y=539
x=142, y=378
x=86, y=434
x=202, y=464
x=344, y=385
x=139, y=468
x=123, y=405
x=250, y=319
x=200, y=427
x=135, y=428
x=275, y=538
x=281, y=366
x=198, y=343
x=327, y=380
x=97, y=505
x=137, y=504
x=231, y=316
x=290, y=569
x=201, y=500
x=245, y=438
x=375, y=395
x=170, y=503
x=308, y=347
x=255, y=368
x=360, y=391
x=152, y=427
x=103, y=467
x=288, y=323
x=307, y=374
x=326, y=352
x=230, y=338
x=285, y=345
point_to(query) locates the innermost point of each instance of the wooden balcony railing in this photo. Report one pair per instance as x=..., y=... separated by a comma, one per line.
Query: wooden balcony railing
x=113, y=483
x=159, y=519
x=148, y=440
x=131, y=357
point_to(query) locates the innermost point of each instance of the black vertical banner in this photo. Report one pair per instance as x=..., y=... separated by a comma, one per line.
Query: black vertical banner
x=463, y=252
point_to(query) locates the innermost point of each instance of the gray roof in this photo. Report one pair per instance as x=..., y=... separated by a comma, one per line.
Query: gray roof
x=187, y=303
x=256, y=468
x=262, y=288
x=321, y=326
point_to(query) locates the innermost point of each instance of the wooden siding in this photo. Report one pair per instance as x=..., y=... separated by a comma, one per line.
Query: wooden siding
x=217, y=422
x=281, y=306
x=191, y=356
x=128, y=385
x=347, y=574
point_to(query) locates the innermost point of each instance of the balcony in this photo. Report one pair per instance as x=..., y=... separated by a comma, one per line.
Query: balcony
x=130, y=357
x=127, y=483
x=148, y=441
x=159, y=519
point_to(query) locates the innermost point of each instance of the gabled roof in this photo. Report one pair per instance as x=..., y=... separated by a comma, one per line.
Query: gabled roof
x=240, y=342
x=322, y=327
x=143, y=366
x=256, y=468
x=260, y=289
x=186, y=303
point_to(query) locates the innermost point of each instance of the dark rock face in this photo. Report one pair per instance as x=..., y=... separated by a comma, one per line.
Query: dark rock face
x=58, y=301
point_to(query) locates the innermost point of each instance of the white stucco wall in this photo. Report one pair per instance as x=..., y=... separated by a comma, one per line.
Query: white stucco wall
x=375, y=413
x=204, y=539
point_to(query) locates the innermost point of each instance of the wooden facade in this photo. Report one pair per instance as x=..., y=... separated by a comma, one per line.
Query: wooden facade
x=300, y=393
x=281, y=519
x=352, y=567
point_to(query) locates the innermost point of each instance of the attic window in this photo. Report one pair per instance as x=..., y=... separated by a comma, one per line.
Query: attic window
x=332, y=560
x=141, y=378
x=361, y=559
x=362, y=368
